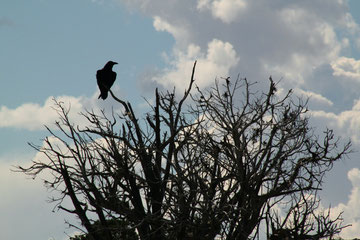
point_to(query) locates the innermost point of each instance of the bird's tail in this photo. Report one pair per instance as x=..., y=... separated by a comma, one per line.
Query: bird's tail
x=103, y=95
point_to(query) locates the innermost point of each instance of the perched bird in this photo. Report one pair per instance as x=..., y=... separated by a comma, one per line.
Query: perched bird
x=105, y=79
x=227, y=81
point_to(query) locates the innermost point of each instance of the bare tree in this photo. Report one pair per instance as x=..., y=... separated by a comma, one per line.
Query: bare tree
x=208, y=165
x=303, y=220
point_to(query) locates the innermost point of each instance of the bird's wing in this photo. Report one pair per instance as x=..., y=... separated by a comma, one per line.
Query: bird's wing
x=100, y=77
x=113, y=77
x=110, y=79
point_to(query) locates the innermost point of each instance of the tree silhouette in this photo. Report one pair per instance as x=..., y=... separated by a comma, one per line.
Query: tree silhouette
x=213, y=164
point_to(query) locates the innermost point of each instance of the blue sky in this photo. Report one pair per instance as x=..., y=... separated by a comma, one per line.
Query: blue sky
x=53, y=48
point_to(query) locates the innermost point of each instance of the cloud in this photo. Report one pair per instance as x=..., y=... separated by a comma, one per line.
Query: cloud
x=226, y=10
x=292, y=40
x=314, y=97
x=347, y=122
x=219, y=58
x=346, y=67
x=280, y=38
x=351, y=210
x=298, y=41
x=23, y=205
x=179, y=32
x=33, y=116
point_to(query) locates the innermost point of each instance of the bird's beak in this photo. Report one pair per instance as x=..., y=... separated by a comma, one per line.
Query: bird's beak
x=115, y=63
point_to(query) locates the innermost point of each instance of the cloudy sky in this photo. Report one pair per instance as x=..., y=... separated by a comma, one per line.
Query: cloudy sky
x=52, y=48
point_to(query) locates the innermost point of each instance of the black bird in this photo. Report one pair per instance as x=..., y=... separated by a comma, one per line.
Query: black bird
x=106, y=78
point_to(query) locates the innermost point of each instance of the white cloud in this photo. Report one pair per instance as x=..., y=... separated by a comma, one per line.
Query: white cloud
x=346, y=67
x=351, y=210
x=226, y=10
x=347, y=122
x=309, y=42
x=33, y=116
x=180, y=33
x=219, y=58
x=279, y=38
x=24, y=206
x=314, y=97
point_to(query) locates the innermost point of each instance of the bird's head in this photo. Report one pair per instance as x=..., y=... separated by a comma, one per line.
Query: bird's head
x=110, y=64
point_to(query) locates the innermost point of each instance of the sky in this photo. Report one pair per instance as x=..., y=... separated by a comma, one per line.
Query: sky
x=51, y=48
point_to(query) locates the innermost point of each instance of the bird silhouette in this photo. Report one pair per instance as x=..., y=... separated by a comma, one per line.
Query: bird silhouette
x=105, y=79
